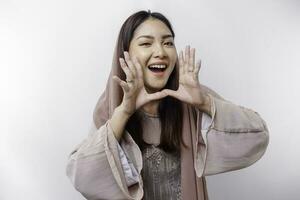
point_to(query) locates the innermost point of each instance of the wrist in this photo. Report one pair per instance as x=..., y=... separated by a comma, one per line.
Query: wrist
x=123, y=112
x=118, y=122
x=205, y=106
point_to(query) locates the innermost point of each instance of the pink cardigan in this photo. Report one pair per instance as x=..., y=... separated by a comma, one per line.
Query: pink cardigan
x=234, y=138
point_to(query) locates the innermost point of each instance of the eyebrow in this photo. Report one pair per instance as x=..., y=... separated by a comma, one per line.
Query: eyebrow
x=151, y=37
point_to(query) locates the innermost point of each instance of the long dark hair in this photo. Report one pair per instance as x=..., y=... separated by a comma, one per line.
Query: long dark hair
x=170, y=109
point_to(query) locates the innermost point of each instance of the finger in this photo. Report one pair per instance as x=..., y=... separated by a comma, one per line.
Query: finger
x=130, y=64
x=197, y=67
x=122, y=83
x=191, y=64
x=187, y=57
x=181, y=63
x=157, y=95
x=139, y=71
x=126, y=69
x=169, y=92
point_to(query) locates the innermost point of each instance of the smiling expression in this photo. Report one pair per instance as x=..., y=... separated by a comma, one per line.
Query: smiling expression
x=153, y=45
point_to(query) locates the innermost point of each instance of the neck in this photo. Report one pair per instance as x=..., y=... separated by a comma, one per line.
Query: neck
x=151, y=107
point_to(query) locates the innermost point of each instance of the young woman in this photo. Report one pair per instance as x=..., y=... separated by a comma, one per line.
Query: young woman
x=157, y=132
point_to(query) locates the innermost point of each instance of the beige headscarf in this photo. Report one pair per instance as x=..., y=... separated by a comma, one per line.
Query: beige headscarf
x=193, y=187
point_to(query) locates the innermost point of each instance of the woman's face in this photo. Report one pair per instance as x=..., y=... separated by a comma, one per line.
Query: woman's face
x=153, y=46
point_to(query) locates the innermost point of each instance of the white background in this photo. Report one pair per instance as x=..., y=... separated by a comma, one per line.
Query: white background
x=55, y=57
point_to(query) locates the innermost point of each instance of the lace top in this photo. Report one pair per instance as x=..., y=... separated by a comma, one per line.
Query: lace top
x=161, y=170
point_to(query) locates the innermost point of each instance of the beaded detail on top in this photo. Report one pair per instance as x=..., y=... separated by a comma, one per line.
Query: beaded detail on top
x=161, y=171
x=161, y=174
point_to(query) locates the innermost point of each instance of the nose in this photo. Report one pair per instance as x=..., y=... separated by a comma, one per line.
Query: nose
x=159, y=51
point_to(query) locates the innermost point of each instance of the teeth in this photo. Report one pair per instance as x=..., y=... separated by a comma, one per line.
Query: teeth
x=158, y=66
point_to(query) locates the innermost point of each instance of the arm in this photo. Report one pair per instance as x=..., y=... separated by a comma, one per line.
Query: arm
x=232, y=138
x=118, y=121
x=95, y=169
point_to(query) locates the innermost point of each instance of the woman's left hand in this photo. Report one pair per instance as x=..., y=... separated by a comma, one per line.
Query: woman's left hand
x=189, y=89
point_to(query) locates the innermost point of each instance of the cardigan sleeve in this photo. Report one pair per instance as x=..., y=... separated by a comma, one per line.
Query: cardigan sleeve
x=130, y=172
x=95, y=170
x=234, y=137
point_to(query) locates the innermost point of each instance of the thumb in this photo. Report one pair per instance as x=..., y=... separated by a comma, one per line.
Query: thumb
x=157, y=95
x=171, y=93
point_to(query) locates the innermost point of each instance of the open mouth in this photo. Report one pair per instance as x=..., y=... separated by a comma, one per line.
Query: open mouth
x=157, y=68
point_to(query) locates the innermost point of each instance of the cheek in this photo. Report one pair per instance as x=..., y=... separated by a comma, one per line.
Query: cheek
x=142, y=58
x=173, y=56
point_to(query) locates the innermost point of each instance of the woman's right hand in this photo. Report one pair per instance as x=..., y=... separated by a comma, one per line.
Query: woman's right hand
x=135, y=94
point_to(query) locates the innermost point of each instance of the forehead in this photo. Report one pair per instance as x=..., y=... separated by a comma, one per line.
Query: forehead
x=152, y=27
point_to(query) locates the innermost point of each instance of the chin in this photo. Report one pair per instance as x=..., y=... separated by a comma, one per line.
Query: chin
x=152, y=89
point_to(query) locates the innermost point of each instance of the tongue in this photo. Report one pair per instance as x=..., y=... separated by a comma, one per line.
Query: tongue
x=157, y=69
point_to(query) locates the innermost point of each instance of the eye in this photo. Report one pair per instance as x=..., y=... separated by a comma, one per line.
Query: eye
x=169, y=43
x=145, y=44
